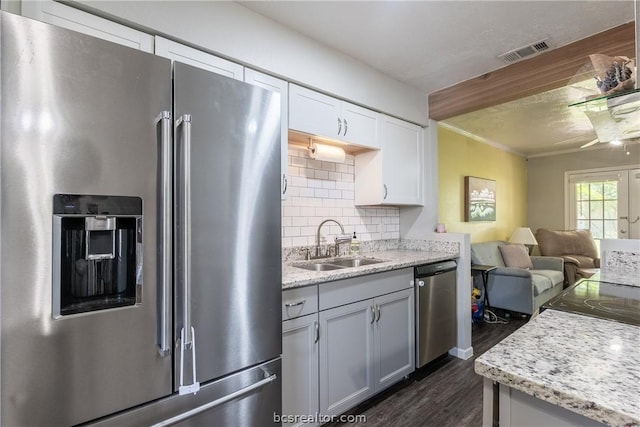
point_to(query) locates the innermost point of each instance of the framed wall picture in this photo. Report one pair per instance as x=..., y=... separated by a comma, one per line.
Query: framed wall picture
x=479, y=199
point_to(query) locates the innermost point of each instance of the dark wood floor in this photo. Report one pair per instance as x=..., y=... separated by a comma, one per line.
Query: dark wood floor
x=445, y=393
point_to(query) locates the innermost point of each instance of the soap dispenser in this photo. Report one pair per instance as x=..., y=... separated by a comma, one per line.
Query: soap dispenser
x=354, y=249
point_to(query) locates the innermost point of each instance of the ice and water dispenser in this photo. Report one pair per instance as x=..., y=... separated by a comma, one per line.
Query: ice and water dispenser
x=97, y=253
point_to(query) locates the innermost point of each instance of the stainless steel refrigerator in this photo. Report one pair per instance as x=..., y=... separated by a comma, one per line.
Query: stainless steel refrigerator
x=140, y=237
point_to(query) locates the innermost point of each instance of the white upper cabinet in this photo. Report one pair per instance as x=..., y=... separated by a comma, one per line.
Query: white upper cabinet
x=282, y=87
x=197, y=58
x=360, y=125
x=322, y=115
x=73, y=19
x=392, y=175
x=401, y=144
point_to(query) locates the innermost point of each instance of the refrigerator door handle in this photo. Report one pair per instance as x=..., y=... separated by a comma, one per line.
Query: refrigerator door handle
x=184, y=122
x=217, y=402
x=187, y=334
x=166, y=223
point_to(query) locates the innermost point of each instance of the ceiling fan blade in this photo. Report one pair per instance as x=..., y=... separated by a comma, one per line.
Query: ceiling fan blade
x=589, y=144
x=572, y=140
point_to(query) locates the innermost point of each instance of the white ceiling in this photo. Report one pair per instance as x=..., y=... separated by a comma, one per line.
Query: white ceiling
x=435, y=44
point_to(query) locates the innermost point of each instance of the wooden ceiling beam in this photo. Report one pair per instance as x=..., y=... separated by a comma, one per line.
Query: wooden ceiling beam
x=547, y=71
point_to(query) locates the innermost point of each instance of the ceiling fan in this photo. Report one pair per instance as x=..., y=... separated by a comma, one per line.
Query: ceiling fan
x=590, y=143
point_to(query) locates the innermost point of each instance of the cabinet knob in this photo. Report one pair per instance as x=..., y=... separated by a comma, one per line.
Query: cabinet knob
x=421, y=283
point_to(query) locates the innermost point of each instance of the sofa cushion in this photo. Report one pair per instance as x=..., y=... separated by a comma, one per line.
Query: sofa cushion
x=556, y=276
x=540, y=283
x=516, y=256
x=487, y=253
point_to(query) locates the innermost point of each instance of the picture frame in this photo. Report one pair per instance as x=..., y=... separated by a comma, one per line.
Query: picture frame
x=479, y=199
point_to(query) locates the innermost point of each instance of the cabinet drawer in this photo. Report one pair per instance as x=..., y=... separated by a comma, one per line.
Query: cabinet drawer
x=299, y=302
x=340, y=292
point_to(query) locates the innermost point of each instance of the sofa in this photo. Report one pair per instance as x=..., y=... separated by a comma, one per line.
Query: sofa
x=519, y=289
x=576, y=247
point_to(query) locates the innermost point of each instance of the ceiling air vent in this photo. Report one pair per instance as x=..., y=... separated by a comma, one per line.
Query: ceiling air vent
x=523, y=52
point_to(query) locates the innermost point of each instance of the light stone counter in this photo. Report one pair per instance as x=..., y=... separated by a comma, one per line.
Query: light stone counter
x=617, y=276
x=586, y=365
x=393, y=259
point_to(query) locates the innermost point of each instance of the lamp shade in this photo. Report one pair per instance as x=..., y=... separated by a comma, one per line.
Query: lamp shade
x=524, y=236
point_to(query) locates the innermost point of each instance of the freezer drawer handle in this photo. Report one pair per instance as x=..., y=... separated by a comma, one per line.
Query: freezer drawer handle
x=218, y=402
x=195, y=386
x=295, y=304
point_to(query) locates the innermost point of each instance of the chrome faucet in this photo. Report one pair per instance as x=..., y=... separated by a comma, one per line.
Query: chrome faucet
x=341, y=238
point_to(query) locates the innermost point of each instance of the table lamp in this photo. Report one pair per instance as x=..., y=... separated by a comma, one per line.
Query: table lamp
x=524, y=236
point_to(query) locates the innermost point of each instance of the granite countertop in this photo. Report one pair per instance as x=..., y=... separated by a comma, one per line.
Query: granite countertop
x=617, y=276
x=293, y=277
x=587, y=365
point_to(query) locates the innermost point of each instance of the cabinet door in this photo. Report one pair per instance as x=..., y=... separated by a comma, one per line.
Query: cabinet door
x=73, y=19
x=282, y=87
x=401, y=151
x=346, y=356
x=394, y=337
x=314, y=113
x=360, y=125
x=300, y=366
x=197, y=58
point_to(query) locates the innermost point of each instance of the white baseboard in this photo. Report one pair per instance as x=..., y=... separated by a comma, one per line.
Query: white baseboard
x=463, y=354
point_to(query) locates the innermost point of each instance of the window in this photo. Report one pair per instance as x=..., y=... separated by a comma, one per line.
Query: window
x=604, y=201
x=596, y=208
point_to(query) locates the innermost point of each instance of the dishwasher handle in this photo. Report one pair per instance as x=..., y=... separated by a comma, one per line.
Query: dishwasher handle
x=435, y=269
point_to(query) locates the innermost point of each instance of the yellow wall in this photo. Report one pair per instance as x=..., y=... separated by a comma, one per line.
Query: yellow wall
x=460, y=156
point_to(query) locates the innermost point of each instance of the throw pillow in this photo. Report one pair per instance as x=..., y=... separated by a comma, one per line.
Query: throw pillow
x=516, y=256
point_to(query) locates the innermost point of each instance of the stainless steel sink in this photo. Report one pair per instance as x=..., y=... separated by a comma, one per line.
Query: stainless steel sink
x=355, y=262
x=318, y=266
x=336, y=264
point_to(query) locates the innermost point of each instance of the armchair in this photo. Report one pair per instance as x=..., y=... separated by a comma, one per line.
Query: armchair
x=576, y=247
x=518, y=289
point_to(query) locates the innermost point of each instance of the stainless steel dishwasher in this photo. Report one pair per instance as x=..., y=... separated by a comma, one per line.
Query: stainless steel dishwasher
x=436, y=324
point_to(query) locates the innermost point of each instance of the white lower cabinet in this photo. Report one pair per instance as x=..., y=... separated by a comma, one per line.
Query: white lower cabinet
x=360, y=342
x=364, y=348
x=300, y=367
x=346, y=356
x=394, y=338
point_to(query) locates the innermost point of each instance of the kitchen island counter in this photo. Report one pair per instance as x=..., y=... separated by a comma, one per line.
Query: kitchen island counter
x=293, y=277
x=586, y=365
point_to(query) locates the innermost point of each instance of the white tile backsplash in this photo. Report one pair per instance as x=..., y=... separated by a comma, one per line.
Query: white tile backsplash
x=320, y=190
